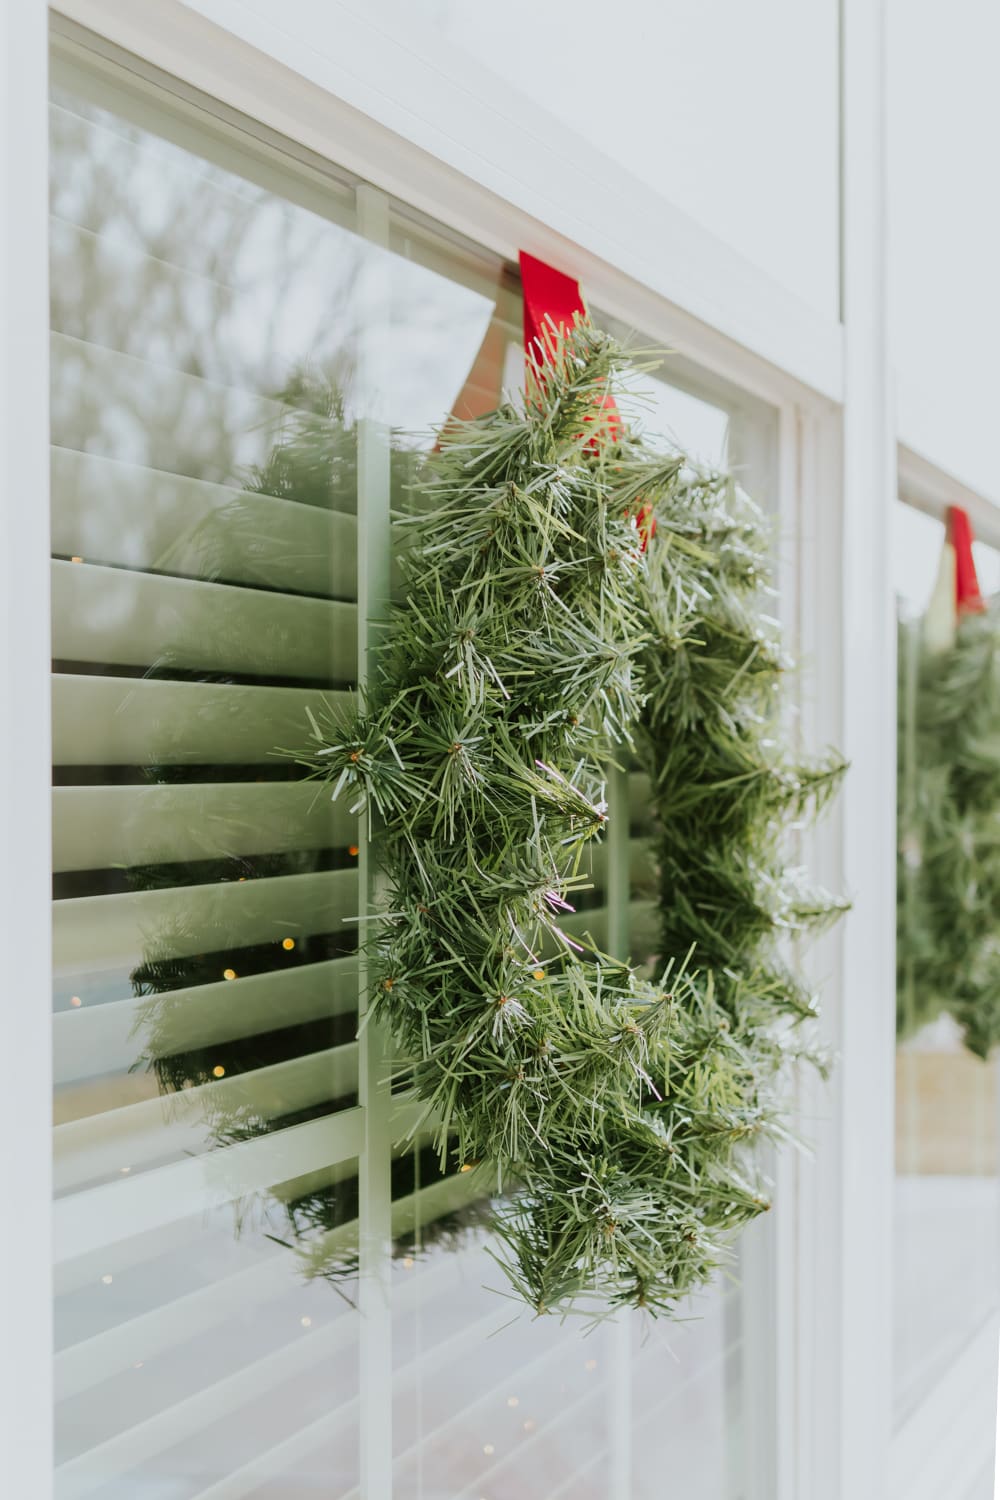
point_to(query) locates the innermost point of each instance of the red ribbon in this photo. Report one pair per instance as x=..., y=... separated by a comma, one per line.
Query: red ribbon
x=552, y=304
x=968, y=599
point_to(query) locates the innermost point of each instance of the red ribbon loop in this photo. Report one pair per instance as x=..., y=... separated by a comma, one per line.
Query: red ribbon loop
x=553, y=303
x=968, y=598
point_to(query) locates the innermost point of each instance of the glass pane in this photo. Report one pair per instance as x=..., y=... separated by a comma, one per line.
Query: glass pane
x=947, y=1209
x=215, y=314
x=488, y=1403
x=204, y=596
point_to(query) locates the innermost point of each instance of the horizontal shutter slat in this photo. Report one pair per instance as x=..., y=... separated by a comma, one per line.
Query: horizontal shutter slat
x=133, y=409
x=641, y=865
x=112, y=512
x=137, y=721
x=186, y=1418
x=279, y=1459
x=177, y=624
x=643, y=925
x=175, y=1233
x=99, y=827
x=95, y=1359
x=185, y=1122
x=108, y=1038
x=100, y=932
x=100, y=1216
x=248, y=1479
x=187, y=166
x=639, y=799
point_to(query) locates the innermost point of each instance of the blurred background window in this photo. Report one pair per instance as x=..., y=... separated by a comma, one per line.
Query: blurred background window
x=947, y=1205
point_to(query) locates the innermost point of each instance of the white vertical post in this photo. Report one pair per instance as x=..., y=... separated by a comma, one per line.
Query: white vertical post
x=616, y=896
x=374, y=542
x=867, y=1015
x=25, y=885
x=779, y=1473
x=762, y=453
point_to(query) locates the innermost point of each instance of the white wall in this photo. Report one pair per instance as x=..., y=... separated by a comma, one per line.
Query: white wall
x=944, y=231
x=726, y=109
x=690, y=144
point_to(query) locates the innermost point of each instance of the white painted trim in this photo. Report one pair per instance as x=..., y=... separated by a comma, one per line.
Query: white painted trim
x=931, y=489
x=917, y=426
x=864, y=1117
x=430, y=149
x=809, y=1323
x=25, y=884
x=374, y=589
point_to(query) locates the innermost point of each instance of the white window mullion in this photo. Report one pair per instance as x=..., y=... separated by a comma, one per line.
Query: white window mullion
x=25, y=1314
x=374, y=540
x=617, y=898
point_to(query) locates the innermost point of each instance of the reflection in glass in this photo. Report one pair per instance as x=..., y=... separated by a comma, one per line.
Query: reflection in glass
x=206, y=978
x=208, y=332
x=947, y=1205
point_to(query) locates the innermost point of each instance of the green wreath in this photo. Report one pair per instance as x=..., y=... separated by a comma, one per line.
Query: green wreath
x=539, y=640
x=948, y=912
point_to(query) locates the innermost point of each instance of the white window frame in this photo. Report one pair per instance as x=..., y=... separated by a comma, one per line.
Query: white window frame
x=831, y=386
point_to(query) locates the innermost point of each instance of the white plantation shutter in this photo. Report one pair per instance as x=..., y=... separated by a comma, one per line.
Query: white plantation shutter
x=207, y=1125
x=206, y=980
x=215, y=1146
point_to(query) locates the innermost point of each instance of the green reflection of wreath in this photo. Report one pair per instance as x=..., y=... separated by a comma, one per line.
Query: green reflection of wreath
x=948, y=914
x=540, y=640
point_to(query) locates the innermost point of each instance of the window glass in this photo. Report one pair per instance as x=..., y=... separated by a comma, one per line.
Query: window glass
x=947, y=1204
x=489, y=1403
x=237, y=367
x=206, y=981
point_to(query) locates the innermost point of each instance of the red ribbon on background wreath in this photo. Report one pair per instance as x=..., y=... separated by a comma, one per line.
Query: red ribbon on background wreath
x=968, y=599
x=552, y=304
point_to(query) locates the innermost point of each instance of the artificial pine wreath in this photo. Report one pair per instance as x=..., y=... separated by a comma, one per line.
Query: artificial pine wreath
x=541, y=638
x=948, y=940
